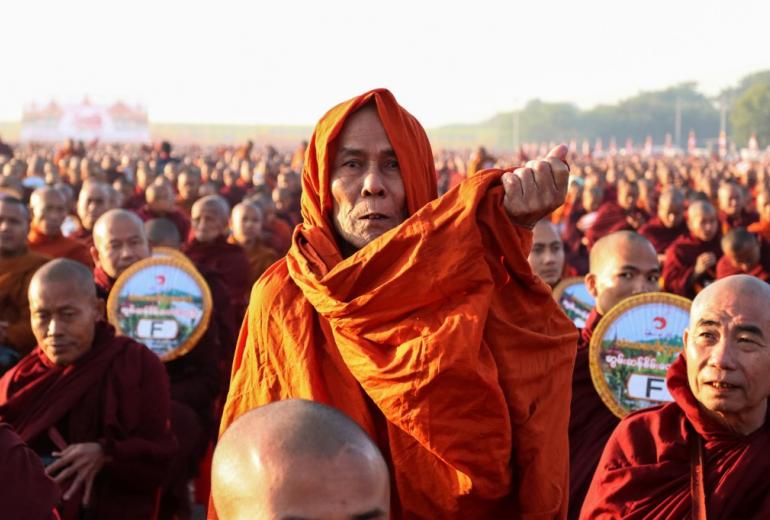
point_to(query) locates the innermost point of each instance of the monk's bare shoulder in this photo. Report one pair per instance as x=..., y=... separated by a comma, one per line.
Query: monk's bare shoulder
x=647, y=436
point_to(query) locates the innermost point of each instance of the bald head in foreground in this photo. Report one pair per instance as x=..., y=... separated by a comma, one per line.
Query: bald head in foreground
x=300, y=460
x=718, y=422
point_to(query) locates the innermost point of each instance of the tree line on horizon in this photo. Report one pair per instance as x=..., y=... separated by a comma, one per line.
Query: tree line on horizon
x=646, y=114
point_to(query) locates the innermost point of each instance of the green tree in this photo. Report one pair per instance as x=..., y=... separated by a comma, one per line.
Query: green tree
x=751, y=113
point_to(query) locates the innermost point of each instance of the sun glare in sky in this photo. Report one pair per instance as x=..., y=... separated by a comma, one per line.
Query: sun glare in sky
x=286, y=62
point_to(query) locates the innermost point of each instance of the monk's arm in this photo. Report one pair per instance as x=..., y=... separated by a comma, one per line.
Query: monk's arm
x=142, y=453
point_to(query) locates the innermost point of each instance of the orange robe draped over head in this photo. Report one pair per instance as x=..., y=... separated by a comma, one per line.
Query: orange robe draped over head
x=59, y=247
x=436, y=338
x=15, y=275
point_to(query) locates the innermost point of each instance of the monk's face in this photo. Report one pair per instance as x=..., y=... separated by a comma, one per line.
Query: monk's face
x=208, y=223
x=246, y=223
x=188, y=185
x=728, y=352
x=671, y=210
x=730, y=199
x=547, y=255
x=745, y=258
x=345, y=487
x=160, y=199
x=702, y=222
x=591, y=199
x=48, y=212
x=121, y=245
x=631, y=268
x=628, y=194
x=763, y=206
x=14, y=227
x=93, y=201
x=366, y=184
x=63, y=319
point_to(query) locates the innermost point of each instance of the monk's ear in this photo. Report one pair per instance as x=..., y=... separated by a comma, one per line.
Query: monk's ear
x=94, y=255
x=590, y=281
x=100, y=309
x=685, y=335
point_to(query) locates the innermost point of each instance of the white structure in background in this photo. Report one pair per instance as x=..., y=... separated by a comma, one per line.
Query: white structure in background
x=86, y=121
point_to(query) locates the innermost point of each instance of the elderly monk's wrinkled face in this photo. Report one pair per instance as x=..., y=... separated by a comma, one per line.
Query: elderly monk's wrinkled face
x=48, y=212
x=63, y=320
x=703, y=223
x=246, y=223
x=631, y=269
x=93, y=201
x=366, y=183
x=728, y=351
x=14, y=227
x=671, y=210
x=345, y=487
x=547, y=255
x=730, y=199
x=122, y=245
x=208, y=223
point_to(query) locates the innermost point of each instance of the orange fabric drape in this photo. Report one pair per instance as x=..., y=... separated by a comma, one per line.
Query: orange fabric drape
x=436, y=338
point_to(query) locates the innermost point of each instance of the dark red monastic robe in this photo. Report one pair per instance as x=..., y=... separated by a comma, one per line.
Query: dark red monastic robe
x=726, y=268
x=116, y=394
x=679, y=265
x=26, y=492
x=575, y=252
x=744, y=219
x=645, y=471
x=661, y=236
x=590, y=424
x=181, y=222
x=610, y=218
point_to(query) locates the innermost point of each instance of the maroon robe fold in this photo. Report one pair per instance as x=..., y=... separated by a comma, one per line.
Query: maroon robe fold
x=661, y=236
x=679, y=265
x=575, y=252
x=229, y=261
x=84, y=236
x=116, y=394
x=761, y=270
x=590, y=423
x=645, y=470
x=26, y=492
x=610, y=218
x=181, y=222
x=744, y=219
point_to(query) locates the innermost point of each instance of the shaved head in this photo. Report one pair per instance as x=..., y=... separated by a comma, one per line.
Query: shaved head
x=49, y=209
x=727, y=348
x=671, y=206
x=547, y=255
x=162, y=232
x=298, y=459
x=93, y=200
x=702, y=220
x=63, y=293
x=210, y=215
x=246, y=222
x=119, y=241
x=621, y=264
x=741, y=249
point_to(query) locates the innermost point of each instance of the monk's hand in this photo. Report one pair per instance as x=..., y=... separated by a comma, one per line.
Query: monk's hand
x=81, y=461
x=536, y=190
x=704, y=262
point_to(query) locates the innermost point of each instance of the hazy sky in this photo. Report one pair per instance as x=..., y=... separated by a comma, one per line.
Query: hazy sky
x=283, y=61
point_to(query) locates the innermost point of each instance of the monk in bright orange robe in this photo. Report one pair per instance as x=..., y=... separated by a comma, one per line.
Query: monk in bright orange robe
x=49, y=209
x=435, y=336
x=17, y=265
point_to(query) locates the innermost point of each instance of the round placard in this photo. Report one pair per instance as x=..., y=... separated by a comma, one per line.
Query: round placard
x=632, y=348
x=573, y=297
x=163, y=303
x=168, y=252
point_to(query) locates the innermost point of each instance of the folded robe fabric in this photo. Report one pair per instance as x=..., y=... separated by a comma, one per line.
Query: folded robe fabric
x=436, y=338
